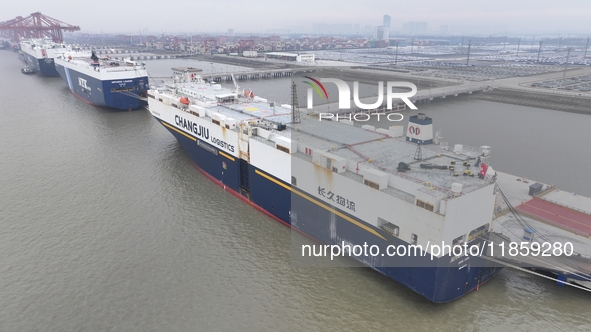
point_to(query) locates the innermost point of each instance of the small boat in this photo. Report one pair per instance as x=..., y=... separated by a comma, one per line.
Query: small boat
x=28, y=70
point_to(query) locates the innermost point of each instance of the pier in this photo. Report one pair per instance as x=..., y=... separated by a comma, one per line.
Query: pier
x=249, y=75
x=441, y=93
x=135, y=55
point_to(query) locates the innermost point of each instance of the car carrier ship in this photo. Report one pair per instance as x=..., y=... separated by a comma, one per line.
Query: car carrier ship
x=39, y=55
x=339, y=183
x=104, y=82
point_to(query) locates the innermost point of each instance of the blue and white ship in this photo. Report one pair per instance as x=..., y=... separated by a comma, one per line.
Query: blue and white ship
x=39, y=55
x=104, y=82
x=341, y=184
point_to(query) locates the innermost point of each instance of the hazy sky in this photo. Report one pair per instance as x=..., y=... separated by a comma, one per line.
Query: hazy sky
x=525, y=16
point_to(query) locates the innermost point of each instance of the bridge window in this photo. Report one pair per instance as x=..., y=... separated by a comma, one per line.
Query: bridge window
x=425, y=205
x=371, y=184
x=282, y=148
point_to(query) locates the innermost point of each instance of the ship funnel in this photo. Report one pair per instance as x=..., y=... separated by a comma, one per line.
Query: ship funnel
x=420, y=129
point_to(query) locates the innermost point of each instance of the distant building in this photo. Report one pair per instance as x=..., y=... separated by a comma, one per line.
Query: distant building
x=305, y=57
x=230, y=32
x=250, y=54
x=387, y=21
x=381, y=33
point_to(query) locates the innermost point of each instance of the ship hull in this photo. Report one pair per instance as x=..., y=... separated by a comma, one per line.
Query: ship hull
x=101, y=92
x=439, y=279
x=45, y=66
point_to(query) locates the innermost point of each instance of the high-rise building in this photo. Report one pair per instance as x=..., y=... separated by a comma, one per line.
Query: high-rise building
x=381, y=33
x=387, y=21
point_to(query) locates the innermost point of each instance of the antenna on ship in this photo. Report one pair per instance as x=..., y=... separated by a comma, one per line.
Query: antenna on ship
x=419, y=152
x=295, y=108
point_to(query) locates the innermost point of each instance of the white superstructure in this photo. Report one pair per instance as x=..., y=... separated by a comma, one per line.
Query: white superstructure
x=103, y=69
x=423, y=204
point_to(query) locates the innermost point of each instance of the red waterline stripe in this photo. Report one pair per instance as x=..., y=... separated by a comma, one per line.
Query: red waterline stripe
x=219, y=183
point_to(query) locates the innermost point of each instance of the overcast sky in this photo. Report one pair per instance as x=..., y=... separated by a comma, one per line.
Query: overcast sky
x=256, y=16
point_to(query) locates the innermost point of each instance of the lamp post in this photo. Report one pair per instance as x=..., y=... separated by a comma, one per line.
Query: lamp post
x=468, y=56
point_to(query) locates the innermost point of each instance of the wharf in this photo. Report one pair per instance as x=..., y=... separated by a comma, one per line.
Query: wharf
x=248, y=75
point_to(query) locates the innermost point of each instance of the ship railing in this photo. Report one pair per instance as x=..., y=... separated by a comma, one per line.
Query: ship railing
x=407, y=198
x=446, y=191
x=469, y=150
x=121, y=68
x=564, y=205
x=106, y=68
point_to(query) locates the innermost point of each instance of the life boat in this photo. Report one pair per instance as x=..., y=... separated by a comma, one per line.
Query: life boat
x=184, y=101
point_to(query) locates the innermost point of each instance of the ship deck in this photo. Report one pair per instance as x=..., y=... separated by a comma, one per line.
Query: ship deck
x=254, y=110
x=384, y=152
x=377, y=149
x=106, y=65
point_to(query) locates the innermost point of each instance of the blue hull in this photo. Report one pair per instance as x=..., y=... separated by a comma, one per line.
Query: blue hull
x=439, y=280
x=44, y=66
x=102, y=93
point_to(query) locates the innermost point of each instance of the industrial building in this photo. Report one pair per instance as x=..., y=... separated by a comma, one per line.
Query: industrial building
x=306, y=57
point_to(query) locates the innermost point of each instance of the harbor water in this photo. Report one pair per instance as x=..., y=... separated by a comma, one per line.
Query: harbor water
x=106, y=225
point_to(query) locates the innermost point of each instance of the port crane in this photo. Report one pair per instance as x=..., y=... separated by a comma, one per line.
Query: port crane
x=35, y=25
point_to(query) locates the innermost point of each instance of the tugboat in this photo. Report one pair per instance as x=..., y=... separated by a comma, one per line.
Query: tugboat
x=28, y=70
